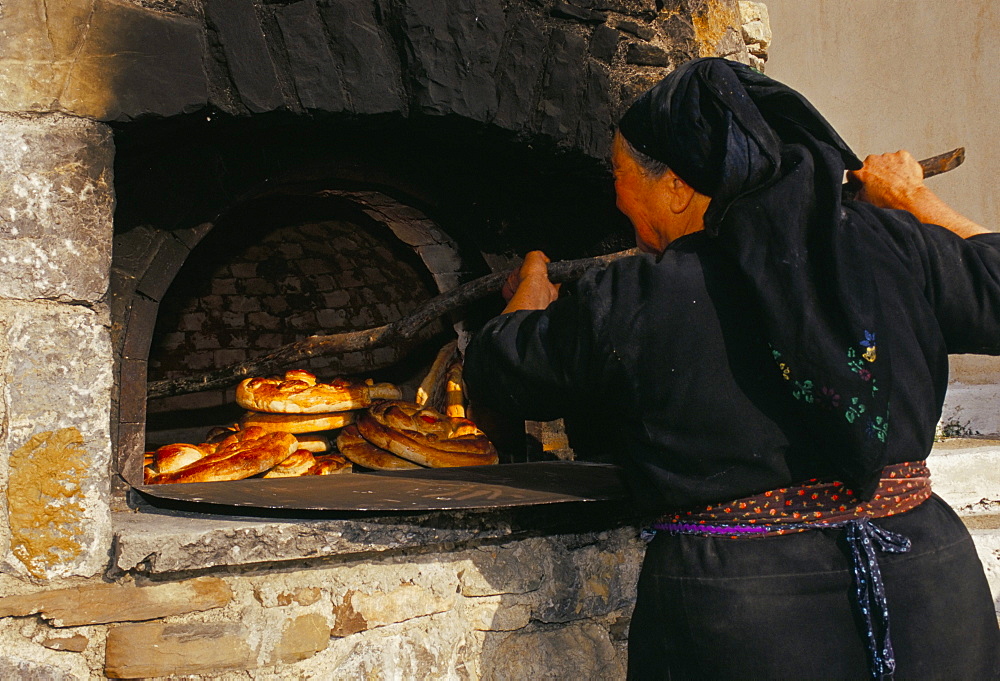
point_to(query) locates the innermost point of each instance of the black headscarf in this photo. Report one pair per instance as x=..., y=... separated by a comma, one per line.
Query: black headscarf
x=774, y=168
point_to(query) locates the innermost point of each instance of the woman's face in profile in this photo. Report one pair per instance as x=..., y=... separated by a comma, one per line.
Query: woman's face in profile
x=632, y=191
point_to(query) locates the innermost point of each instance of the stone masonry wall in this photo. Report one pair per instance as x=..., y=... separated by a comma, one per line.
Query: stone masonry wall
x=546, y=607
x=55, y=349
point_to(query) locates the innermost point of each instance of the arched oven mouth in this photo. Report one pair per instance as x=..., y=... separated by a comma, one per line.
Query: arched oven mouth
x=291, y=259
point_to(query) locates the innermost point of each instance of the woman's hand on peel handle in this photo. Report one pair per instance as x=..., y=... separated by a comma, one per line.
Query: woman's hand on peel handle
x=528, y=287
x=897, y=181
x=890, y=180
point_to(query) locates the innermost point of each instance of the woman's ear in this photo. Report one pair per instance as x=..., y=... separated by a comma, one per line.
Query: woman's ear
x=680, y=193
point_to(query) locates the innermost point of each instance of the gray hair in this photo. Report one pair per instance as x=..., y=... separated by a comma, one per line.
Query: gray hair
x=649, y=165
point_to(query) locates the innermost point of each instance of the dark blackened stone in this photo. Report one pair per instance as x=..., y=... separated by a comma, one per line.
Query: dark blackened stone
x=519, y=73
x=680, y=31
x=642, y=54
x=365, y=56
x=637, y=86
x=645, y=9
x=594, y=131
x=604, y=43
x=636, y=29
x=452, y=48
x=564, y=80
x=157, y=61
x=314, y=70
x=564, y=10
x=250, y=64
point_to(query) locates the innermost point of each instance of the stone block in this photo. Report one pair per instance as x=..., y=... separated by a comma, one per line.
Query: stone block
x=515, y=568
x=604, y=43
x=247, y=57
x=645, y=9
x=565, y=10
x=440, y=259
x=452, y=48
x=158, y=649
x=589, y=581
x=169, y=258
x=103, y=603
x=490, y=613
x=412, y=234
x=302, y=638
x=359, y=611
x=12, y=667
x=314, y=70
x=642, y=54
x=756, y=26
x=76, y=643
x=365, y=56
x=56, y=476
x=57, y=202
x=565, y=75
x=581, y=651
x=519, y=73
x=101, y=59
x=638, y=30
x=594, y=134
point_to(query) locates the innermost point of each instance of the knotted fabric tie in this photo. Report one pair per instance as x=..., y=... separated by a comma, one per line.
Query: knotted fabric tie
x=863, y=537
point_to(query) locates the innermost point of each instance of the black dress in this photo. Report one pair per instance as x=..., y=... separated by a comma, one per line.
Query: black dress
x=671, y=357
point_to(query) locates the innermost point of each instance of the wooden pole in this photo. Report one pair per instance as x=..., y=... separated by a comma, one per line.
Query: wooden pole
x=399, y=333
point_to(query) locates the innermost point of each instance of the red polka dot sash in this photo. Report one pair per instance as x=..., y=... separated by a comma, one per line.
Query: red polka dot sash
x=903, y=487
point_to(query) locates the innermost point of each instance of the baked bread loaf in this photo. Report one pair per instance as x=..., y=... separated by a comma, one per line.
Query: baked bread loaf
x=364, y=453
x=454, y=391
x=241, y=455
x=317, y=443
x=425, y=436
x=170, y=458
x=330, y=464
x=299, y=393
x=296, y=465
x=430, y=387
x=297, y=423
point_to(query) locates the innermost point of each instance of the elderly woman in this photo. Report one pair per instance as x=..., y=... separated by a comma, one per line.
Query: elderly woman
x=773, y=371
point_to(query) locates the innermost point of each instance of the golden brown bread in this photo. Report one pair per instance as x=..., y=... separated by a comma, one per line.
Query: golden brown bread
x=364, y=453
x=298, y=464
x=241, y=455
x=297, y=423
x=425, y=436
x=330, y=464
x=299, y=393
x=454, y=391
x=430, y=387
x=174, y=457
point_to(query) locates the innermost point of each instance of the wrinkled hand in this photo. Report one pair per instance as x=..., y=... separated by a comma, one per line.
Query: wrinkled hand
x=890, y=180
x=529, y=288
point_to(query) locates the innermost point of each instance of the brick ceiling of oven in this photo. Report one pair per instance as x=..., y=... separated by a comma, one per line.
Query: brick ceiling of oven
x=316, y=277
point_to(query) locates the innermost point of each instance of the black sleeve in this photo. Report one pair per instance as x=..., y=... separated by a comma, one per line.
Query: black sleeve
x=961, y=280
x=542, y=364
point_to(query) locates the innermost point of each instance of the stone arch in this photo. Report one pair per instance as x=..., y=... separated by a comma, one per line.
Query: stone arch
x=147, y=261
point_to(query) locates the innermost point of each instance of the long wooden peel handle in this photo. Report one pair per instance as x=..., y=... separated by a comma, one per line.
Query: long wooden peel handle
x=942, y=163
x=398, y=333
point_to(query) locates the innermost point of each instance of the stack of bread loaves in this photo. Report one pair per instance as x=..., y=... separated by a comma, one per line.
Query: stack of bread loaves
x=285, y=434
x=288, y=430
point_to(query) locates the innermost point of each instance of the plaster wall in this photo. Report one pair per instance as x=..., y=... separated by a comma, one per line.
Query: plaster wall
x=915, y=75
